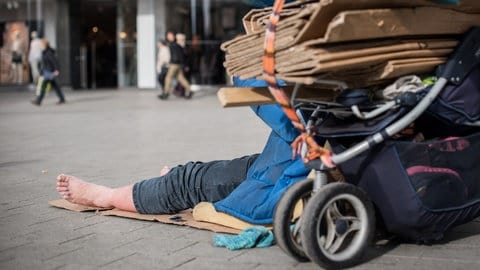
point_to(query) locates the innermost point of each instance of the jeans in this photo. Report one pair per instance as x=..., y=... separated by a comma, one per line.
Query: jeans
x=186, y=185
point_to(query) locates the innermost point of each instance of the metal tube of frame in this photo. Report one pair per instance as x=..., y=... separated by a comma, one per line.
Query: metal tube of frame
x=394, y=128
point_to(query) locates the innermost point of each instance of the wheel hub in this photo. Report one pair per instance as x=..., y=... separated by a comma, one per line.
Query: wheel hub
x=341, y=226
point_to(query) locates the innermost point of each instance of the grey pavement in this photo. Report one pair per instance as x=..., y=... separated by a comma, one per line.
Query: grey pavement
x=116, y=137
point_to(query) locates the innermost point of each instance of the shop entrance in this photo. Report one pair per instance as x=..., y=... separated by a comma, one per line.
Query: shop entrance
x=93, y=39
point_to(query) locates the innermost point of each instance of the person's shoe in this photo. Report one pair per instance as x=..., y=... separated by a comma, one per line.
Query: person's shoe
x=163, y=96
x=61, y=102
x=189, y=95
x=35, y=102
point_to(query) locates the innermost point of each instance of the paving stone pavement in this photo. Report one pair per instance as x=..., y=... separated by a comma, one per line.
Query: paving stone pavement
x=116, y=137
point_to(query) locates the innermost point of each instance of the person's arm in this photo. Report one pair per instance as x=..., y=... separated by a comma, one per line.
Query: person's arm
x=54, y=61
x=166, y=56
x=159, y=61
x=273, y=114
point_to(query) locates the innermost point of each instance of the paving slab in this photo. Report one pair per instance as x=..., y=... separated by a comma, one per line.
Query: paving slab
x=117, y=137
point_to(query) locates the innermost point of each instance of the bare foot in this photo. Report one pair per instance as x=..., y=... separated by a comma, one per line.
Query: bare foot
x=78, y=191
x=164, y=170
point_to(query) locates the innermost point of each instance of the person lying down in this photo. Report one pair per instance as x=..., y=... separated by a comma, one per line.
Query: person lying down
x=176, y=189
x=247, y=187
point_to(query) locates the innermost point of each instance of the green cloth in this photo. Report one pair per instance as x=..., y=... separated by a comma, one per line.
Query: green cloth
x=429, y=80
x=257, y=236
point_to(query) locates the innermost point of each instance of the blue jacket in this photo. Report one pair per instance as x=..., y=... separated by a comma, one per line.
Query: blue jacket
x=271, y=174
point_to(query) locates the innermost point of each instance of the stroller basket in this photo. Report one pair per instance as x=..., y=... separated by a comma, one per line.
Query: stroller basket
x=421, y=189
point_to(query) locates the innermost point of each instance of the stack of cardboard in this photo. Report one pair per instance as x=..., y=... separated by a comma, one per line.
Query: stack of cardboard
x=362, y=42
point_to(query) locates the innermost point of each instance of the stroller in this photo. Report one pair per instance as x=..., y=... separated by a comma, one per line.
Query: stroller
x=419, y=190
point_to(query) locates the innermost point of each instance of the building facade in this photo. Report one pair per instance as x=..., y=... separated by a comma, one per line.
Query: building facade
x=108, y=43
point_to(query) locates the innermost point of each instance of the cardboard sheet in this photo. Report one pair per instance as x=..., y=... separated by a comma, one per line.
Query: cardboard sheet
x=375, y=74
x=320, y=60
x=367, y=60
x=184, y=218
x=326, y=10
x=249, y=96
x=384, y=23
x=255, y=19
x=311, y=36
x=75, y=207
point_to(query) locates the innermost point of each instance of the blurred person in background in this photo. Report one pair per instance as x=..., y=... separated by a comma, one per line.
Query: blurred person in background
x=175, y=68
x=182, y=41
x=163, y=59
x=50, y=71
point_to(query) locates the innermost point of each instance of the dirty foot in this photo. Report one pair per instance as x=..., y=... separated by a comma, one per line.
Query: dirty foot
x=78, y=191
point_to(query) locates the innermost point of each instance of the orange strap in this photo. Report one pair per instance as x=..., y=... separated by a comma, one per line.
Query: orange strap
x=314, y=150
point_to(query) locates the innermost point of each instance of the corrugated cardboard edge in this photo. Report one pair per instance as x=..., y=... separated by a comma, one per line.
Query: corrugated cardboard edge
x=75, y=207
x=183, y=218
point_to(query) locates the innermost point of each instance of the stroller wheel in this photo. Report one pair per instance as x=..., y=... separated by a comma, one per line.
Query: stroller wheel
x=337, y=226
x=287, y=219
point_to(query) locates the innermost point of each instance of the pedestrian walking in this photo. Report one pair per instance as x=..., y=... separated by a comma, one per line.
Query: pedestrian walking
x=50, y=71
x=182, y=41
x=175, y=68
x=163, y=59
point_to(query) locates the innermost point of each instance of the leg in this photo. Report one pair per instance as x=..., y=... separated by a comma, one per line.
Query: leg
x=180, y=188
x=161, y=77
x=185, y=186
x=183, y=81
x=56, y=87
x=39, y=99
x=160, y=81
x=78, y=191
x=172, y=71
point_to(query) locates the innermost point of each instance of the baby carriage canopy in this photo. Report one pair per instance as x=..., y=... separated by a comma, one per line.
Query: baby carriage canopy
x=459, y=104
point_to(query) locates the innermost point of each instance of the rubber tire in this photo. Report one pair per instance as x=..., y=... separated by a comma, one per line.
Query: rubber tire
x=283, y=216
x=311, y=216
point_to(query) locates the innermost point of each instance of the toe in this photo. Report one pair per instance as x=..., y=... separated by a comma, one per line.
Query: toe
x=62, y=189
x=62, y=184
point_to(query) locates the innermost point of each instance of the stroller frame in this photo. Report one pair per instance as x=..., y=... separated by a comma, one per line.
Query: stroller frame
x=319, y=232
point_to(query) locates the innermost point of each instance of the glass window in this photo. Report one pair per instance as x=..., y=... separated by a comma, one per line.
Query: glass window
x=207, y=24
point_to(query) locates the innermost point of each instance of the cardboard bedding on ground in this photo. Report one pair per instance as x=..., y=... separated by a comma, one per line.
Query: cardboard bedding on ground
x=323, y=39
x=203, y=216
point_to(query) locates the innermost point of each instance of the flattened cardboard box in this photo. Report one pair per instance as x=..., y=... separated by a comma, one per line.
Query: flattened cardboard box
x=328, y=9
x=248, y=96
x=183, y=218
x=368, y=24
